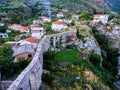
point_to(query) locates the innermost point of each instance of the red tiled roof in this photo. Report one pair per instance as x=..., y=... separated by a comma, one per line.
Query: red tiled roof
x=59, y=23
x=14, y=25
x=74, y=37
x=19, y=26
x=42, y=17
x=97, y=15
x=22, y=28
x=32, y=40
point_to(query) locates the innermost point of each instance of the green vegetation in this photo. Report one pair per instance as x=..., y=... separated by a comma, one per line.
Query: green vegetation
x=17, y=4
x=95, y=59
x=85, y=16
x=51, y=32
x=67, y=64
x=9, y=68
x=3, y=29
x=47, y=26
x=109, y=54
x=66, y=55
x=11, y=35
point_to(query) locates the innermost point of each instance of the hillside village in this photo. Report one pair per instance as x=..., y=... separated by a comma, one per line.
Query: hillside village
x=22, y=42
x=37, y=30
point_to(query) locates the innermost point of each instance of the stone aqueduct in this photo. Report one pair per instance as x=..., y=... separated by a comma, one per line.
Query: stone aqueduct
x=30, y=78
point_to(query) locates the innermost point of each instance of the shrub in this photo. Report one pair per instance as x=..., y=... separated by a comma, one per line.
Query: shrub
x=95, y=59
x=23, y=63
x=48, y=57
x=47, y=78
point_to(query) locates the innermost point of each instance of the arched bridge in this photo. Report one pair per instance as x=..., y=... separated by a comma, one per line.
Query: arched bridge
x=30, y=78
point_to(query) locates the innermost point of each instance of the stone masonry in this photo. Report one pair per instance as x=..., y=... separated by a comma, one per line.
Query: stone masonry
x=30, y=78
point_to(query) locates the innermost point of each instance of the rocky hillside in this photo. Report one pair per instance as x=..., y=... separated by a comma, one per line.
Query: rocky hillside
x=100, y=3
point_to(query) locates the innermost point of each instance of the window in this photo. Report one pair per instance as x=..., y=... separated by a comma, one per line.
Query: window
x=29, y=56
x=5, y=35
x=21, y=58
x=0, y=36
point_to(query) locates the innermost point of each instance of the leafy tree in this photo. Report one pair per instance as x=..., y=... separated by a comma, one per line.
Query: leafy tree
x=68, y=15
x=78, y=33
x=47, y=26
x=48, y=78
x=72, y=23
x=2, y=41
x=23, y=63
x=10, y=68
x=86, y=16
x=109, y=54
x=48, y=57
x=95, y=59
x=3, y=29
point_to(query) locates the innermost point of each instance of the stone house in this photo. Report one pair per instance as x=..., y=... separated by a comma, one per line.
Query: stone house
x=31, y=41
x=1, y=24
x=23, y=52
x=59, y=25
x=100, y=18
x=60, y=15
x=68, y=21
x=75, y=16
x=45, y=19
x=3, y=35
x=18, y=27
x=65, y=11
x=37, y=32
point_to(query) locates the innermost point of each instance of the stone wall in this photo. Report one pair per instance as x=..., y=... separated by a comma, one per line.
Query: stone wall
x=30, y=78
x=6, y=84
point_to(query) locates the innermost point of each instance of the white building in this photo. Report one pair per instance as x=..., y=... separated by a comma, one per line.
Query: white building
x=60, y=15
x=75, y=16
x=65, y=11
x=100, y=18
x=37, y=32
x=2, y=24
x=59, y=25
x=45, y=19
x=3, y=35
x=31, y=41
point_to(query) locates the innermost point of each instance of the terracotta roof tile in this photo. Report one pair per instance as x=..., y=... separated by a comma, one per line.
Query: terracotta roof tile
x=43, y=17
x=32, y=40
x=59, y=23
x=74, y=37
x=18, y=26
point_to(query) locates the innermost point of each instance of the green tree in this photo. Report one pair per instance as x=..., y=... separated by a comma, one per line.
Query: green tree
x=47, y=26
x=3, y=29
x=48, y=57
x=95, y=59
x=72, y=23
x=78, y=33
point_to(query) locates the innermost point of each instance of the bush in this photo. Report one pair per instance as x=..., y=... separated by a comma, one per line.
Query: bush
x=95, y=59
x=23, y=63
x=48, y=57
x=47, y=78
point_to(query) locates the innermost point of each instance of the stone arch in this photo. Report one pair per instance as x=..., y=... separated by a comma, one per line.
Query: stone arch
x=51, y=41
x=64, y=39
x=33, y=84
x=58, y=42
x=60, y=39
x=20, y=88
